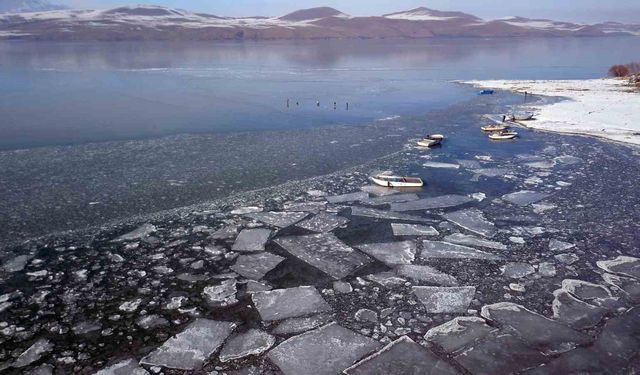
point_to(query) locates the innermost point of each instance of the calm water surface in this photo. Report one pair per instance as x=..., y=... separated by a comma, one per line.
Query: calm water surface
x=69, y=93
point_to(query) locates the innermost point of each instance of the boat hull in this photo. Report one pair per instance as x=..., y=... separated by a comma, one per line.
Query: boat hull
x=386, y=182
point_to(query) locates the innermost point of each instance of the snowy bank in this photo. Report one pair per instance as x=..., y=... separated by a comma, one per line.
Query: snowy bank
x=606, y=108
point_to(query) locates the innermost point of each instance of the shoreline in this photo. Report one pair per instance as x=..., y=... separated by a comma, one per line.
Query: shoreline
x=602, y=108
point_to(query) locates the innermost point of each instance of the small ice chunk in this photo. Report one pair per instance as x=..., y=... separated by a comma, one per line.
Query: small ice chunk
x=444, y=201
x=622, y=265
x=559, y=246
x=434, y=164
x=472, y=220
x=576, y=313
x=151, y=321
x=436, y=249
x=468, y=240
x=492, y=172
x=225, y=233
x=413, y=230
x=585, y=290
x=327, y=350
x=517, y=270
x=547, y=269
x=299, y=325
x=252, y=342
x=546, y=335
x=567, y=259
x=387, y=215
x=130, y=306
x=445, y=300
x=278, y=219
x=391, y=253
x=314, y=207
x=524, y=197
x=351, y=197
x=189, y=349
x=281, y=304
x=517, y=240
x=17, y=263
x=255, y=266
x=323, y=222
x=251, y=240
x=222, y=295
x=456, y=334
x=33, y=353
x=342, y=287
x=140, y=232
x=245, y=210
x=325, y=252
x=386, y=279
x=85, y=327
x=426, y=274
x=402, y=357
x=125, y=367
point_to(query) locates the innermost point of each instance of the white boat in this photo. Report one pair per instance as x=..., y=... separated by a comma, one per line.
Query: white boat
x=431, y=140
x=494, y=128
x=501, y=136
x=397, y=181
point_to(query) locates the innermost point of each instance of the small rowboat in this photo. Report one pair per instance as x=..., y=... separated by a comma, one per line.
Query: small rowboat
x=501, y=136
x=487, y=92
x=495, y=128
x=431, y=140
x=397, y=181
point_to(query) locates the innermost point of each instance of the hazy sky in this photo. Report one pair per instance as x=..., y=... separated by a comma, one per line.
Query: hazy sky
x=571, y=10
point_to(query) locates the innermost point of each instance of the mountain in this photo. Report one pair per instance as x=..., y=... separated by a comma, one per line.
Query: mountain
x=150, y=22
x=28, y=6
x=312, y=14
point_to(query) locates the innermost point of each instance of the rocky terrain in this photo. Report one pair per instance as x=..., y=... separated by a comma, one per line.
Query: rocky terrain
x=161, y=23
x=516, y=267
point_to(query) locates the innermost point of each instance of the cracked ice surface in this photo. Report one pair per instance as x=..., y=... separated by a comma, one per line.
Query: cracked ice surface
x=388, y=215
x=444, y=300
x=328, y=350
x=289, y=303
x=546, y=335
x=435, y=249
x=278, y=219
x=189, y=349
x=325, y=252
x=444, y=201
x=468, y=240
x=392, y=253
x=126, y=367
x=472, y=220
x=400, y=229
x=323, y=222
x=255, y=266
x=252, y=342
x=251, y=240
x=402, y=357
x=426, y=274
x=525, y=197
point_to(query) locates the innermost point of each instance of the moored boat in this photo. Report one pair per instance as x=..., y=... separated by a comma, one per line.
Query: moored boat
x=494, y=128
x=397, y=181
x=504, y=135
x=431, y=140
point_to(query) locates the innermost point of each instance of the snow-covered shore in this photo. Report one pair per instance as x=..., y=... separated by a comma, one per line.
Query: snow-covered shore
x=606, y=108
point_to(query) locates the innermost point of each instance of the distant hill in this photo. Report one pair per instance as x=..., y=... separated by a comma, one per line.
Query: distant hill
x=28, y=6
x=149, y=22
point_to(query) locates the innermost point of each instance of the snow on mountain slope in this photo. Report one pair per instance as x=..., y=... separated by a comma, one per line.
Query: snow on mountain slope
x=150, y=22
x=426, y=14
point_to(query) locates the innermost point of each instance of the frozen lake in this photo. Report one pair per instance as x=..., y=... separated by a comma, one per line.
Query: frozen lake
x=93, y=133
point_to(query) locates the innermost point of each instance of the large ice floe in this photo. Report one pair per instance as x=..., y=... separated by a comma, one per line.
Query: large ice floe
x=189, y=349
x=325, y=252
x=289, y=303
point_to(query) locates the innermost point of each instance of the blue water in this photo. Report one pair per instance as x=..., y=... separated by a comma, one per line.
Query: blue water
x=72, y=93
